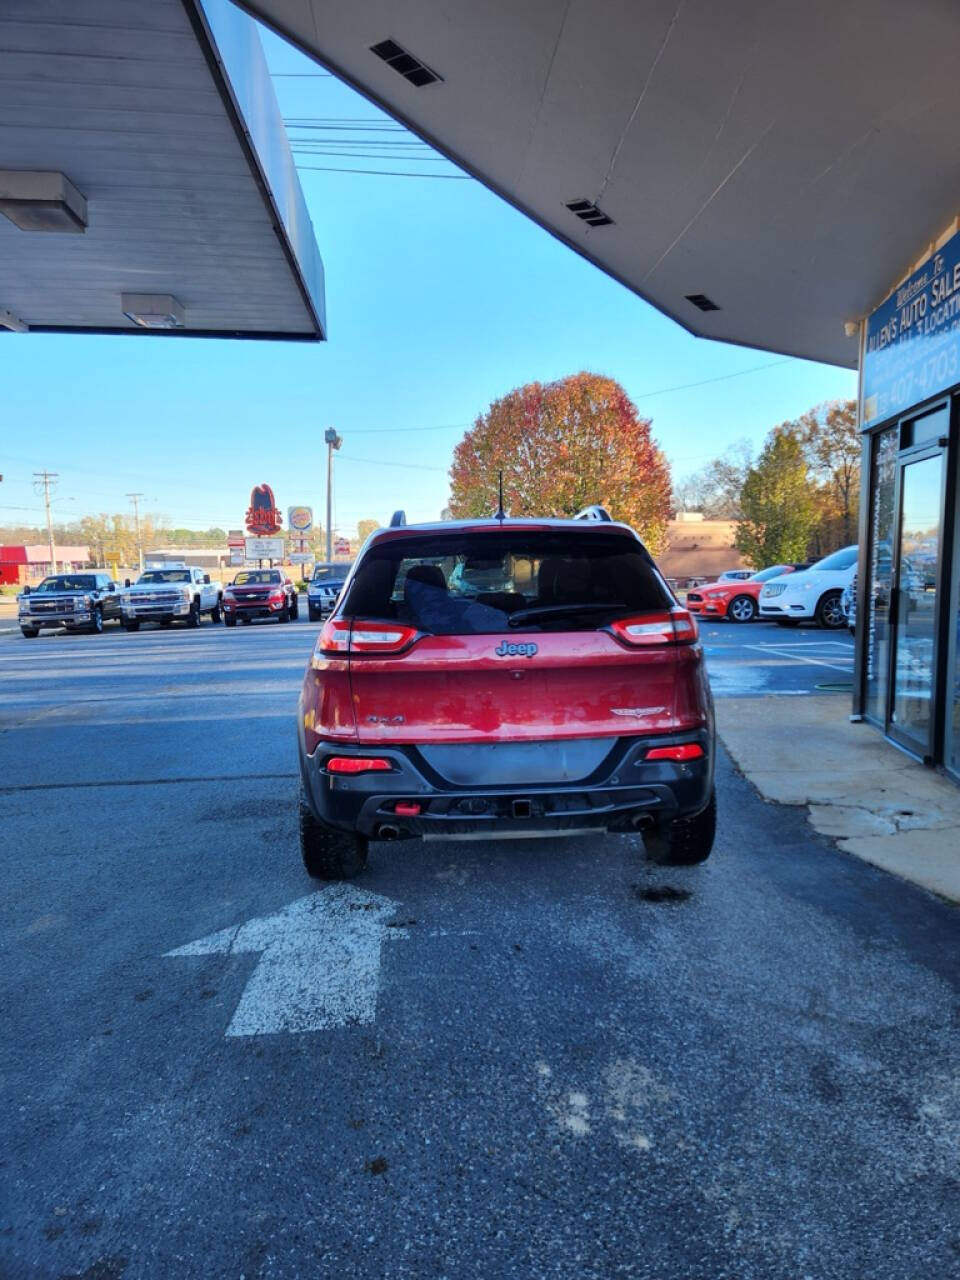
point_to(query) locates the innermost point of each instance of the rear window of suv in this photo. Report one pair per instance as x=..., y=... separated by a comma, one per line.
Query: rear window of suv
x=483, y=583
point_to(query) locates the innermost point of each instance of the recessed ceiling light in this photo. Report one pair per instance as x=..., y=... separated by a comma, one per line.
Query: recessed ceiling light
x=588, y=212
x=42, y=201
x=153, y=310
x=702, y=302
x=411, y=68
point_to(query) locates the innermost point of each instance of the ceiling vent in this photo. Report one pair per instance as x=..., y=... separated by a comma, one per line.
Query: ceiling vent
x=702, y=302
x=589, y=213
x=411, y=68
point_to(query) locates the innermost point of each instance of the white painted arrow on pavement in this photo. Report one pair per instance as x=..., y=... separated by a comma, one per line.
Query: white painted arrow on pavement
x=319, y=962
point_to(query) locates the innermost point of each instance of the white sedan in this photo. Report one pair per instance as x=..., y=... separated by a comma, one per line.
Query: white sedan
x=811, y=595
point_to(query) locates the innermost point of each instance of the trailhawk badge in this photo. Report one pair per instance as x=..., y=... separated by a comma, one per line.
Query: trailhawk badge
x=506, y=650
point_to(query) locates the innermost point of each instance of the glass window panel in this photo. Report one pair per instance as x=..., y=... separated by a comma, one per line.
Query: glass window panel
x=881, y=572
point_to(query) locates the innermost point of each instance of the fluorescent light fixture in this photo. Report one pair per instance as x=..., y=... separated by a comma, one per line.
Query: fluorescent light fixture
x=153, y=310
x=42, y=201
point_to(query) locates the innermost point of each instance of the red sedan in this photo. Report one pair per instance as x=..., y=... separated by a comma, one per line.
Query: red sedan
x=735, y=601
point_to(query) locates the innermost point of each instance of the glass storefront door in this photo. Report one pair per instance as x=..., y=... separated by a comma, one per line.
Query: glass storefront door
x=918, y=551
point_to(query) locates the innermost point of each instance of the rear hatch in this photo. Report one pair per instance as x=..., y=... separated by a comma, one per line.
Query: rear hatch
x=561, y=640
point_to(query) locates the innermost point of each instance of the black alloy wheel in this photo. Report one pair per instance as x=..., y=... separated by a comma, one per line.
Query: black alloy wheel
x=742, y=609
x=830, y=612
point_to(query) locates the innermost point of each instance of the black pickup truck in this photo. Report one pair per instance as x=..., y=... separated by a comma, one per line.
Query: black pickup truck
x=77, y=601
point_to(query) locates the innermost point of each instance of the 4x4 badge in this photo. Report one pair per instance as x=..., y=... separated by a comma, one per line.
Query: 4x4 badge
x=506, y=650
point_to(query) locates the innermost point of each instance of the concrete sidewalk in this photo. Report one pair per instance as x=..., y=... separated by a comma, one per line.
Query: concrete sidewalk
x=862, y=792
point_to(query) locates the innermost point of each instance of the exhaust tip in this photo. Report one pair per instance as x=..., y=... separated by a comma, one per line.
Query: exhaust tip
x=388, y=831
x=642, y=821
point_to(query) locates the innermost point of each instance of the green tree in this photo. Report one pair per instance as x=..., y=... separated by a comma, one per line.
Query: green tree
x=777, y=504
x=562, y=446
x=832, y=444
x=365, y=528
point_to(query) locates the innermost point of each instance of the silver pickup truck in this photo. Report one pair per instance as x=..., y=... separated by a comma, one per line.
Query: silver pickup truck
x=174, y=593
x=77, y=601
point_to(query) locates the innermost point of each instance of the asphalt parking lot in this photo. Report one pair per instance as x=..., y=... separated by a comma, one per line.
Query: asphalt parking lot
x=523, y=1059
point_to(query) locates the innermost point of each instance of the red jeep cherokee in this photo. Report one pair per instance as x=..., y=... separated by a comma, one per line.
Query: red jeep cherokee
x=505, y=677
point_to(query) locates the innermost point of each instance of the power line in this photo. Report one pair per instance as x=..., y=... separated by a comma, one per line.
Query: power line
x=723, y=377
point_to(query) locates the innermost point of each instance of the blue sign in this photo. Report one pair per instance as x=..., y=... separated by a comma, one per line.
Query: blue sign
x=913, y=339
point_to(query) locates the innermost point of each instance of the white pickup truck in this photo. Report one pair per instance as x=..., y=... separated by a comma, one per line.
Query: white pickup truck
x=174, y=592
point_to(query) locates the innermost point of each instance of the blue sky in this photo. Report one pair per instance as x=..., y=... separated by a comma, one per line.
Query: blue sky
x=440, y=298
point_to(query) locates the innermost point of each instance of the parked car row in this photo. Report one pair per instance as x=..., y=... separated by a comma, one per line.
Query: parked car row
x=174, y=593
x=787, y=594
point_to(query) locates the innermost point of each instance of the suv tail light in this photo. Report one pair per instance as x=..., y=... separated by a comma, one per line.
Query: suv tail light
x=357, y=764
x=650, y=629
x=682, y=751
x=341, y=635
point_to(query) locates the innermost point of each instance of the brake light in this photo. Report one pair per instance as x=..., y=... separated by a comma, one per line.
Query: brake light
x=341, y=635
x=358, y=764
x=651, y=629
x=683, y=751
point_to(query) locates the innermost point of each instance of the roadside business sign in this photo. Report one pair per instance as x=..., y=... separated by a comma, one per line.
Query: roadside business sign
x=264, y=548
x=299, y=519
x=300, y=557
x=263, y=517
x=341, y=547
x=913, y=338
x=235, y=538
x=237, y=557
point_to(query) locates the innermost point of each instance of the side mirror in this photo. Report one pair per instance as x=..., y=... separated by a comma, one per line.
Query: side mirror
x=126, y=582
x=206, y=579
x=111, y=586
x=27, y=589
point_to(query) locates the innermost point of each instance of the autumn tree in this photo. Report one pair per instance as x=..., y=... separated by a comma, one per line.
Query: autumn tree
x=562, y=446
x=832, y=444
x=778, y=507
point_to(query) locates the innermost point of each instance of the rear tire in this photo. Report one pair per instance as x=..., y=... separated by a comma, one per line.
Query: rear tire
x=328, y=854
x=312, y=613
x=830, y=614
x=685, y=841
x=131, y=626
x=742, y=609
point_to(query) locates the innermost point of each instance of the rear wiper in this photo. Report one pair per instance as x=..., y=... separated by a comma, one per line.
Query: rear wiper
x=558, y=611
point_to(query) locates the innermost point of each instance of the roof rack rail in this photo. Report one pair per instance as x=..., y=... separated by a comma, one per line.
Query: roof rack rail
x=595, y=512
x=398, y=518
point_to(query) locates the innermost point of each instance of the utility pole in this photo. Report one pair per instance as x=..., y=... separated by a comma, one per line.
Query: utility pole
x=135, y=499
x=44, y=478
x=333, y=442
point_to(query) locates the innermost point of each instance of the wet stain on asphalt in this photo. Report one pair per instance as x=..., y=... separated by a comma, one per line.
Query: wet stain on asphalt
x=377, y=1165
x=660, y=893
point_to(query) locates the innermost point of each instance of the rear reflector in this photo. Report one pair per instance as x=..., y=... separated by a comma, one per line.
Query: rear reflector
x=683, y=751
x=344, y=635
x=358, y=764
x=650, y=629
x=407, y=808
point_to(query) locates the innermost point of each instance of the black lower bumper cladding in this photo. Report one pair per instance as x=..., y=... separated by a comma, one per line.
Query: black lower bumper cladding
x=626, y=793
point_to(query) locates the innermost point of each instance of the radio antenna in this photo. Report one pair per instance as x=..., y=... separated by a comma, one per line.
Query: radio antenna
x=500, y=513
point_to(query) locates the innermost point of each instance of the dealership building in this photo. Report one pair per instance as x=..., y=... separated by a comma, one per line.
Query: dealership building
x=780, y=176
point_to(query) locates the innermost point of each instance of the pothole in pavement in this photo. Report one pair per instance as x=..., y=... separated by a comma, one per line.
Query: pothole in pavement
x=659, y=893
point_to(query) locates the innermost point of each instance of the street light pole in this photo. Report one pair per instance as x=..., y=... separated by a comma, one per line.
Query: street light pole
x=135, y=499
x=333, y=442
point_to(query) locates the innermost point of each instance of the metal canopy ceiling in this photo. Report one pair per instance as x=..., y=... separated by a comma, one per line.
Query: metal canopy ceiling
x=786, y=161
x=130, y=100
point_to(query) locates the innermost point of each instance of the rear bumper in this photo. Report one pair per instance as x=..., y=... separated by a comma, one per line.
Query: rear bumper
x=625, y=793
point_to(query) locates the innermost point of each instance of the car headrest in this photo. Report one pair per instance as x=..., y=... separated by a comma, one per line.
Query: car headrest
x=563, y=580
x=430, y=575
